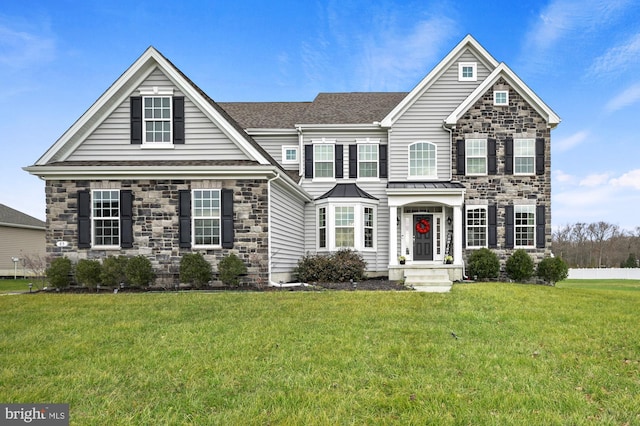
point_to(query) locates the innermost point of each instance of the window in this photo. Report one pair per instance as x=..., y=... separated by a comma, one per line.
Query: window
x=206, y=217
x=368, y=227
x=524, y=151
x=344, y=227
x=323, y=158
x=367, y=160
x=476, y=153
x=106, y=218
x=289, y=154
x=476, y=227
x=501, y=97
x=422, y=159
x=157, y=119
x=524, y=225
x=467, y=71
x=322, y=227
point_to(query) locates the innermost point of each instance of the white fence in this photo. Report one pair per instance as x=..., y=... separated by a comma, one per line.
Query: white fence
x=604, y=273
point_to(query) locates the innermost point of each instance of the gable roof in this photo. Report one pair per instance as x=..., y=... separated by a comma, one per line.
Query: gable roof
x=121, y=89
x=503, y=71
x=467, y=43
x=14, y=218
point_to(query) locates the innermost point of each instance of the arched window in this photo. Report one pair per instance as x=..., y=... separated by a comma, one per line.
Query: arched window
x=422, y=159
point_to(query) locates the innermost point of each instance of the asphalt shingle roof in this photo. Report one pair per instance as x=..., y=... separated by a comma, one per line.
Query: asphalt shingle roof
x=14, y=217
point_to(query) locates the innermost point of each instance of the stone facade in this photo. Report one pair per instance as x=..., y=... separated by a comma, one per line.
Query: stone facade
x=156, y=226
x=518, y=120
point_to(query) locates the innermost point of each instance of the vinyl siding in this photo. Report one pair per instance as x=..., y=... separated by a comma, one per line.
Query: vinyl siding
x=273, y=145
x=111, y=139
x=287, y=229
x=19, y=242
x=423, y=120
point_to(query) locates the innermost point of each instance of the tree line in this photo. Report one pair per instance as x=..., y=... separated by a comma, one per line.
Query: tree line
x=597, y=245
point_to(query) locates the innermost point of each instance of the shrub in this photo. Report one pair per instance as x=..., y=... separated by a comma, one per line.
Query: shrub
x=552, y=270
x=483, y=264
x=195, y=270
x=230, y=268
x=519, y=266
x=114, y=271
x=88, y=272
x=343, y=265
x=59, y=272
x=139, y=271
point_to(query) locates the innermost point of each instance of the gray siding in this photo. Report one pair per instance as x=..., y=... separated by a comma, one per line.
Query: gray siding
x=19, y=242
x=287, y=229
x=111, y=139
x=273, y=145
x=423, y=120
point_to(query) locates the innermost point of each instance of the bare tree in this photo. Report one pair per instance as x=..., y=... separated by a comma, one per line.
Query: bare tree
x=602, y=234
x=37, y=266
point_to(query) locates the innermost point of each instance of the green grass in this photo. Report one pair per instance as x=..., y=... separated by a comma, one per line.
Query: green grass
x=524, y=355
x=19, y=285
x=626, y=285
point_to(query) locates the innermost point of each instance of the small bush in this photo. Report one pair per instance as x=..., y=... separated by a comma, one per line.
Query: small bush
x=230, y=268
x=88, y=272
x=114, y=271
x=484, y=264
x=59, y=272
x=552, y=270
x=195, y=270
x=341, y=266
x=519, y=266
x=139, y=271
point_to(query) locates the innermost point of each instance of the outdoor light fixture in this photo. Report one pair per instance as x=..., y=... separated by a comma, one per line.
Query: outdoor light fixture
x=449, y=220
x=30, y=287
x=15, y=267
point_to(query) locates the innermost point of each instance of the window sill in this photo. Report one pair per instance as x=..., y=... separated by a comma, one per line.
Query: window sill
x=157, y=145
x=199, y=247
x=105, y=247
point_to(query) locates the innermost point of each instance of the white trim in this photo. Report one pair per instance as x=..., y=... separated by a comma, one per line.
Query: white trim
x=156, y=91
x=285, y=148
x=474, y=71
x=533, y=172
x=193, y=219
x=468, y=208
x=499, y=92
x=435, y=161
x=145, y=120
x=358, y=205
x=532, y=207
x=486, y=157
x=93, y=219
x=377, y=161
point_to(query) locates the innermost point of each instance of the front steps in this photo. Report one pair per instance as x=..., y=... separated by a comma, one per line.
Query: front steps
x=428, y=280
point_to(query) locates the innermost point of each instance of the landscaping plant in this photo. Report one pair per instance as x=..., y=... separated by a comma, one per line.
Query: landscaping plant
x=59, y=272
x=230, y=269
x=552, y=270
x=519, y=266
x=341, y=266
x=195, y=270
x=88, y=272
x=483, y=264
x=114, y=271
x=139, y=271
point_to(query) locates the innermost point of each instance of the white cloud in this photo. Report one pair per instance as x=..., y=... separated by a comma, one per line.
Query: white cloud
x=21, y=49
x=562, y=177
x=628, y=180
x=571, y=141
x=617, y=59
x=628, y=97
x=594, y=180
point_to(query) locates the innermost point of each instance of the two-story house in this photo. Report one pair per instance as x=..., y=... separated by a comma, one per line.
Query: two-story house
x=413, y=181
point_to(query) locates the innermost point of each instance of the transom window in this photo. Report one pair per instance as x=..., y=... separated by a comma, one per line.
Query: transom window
x=367, y=160
x=476, y=153
x=206, y=217
x=524, y=154
x=323, y=158
x=476, y=227
x=289, y=154
x=157, y=119
x=422, y=159
x=525, y=221
x=106, y=217
x=501, y=97
x=467, y=71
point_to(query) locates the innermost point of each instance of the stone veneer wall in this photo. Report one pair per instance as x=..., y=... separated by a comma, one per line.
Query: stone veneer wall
x=155, y=224
x=517, y=120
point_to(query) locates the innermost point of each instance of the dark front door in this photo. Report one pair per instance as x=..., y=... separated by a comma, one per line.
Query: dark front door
x=423, y=237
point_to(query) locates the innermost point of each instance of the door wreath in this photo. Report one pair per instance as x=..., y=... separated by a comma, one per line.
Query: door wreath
x=423, y=226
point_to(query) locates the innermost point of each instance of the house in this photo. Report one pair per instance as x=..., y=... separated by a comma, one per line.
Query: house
x=156, y=167
x=22, y=239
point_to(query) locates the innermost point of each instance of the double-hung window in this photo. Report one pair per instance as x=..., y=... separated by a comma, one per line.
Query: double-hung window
x=157, y=119
x=476, y=226
x=367, y=160
x=368, y=226
x=422, y=160
x=476, y=154
x=524, y=154
x=322, y=227
x=105, y=218
x=206, y=217
x=346, y=225
x=525, y=226
x=324, y=160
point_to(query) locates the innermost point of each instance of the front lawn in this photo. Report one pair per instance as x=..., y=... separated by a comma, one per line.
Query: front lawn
x=482, y=354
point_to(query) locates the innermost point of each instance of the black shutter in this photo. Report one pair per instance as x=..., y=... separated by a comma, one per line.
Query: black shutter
x=136, y=120
x=184, y=217
x=540, y=226
x=465, y=216
x=493, y=226
x=382, y=156
x=308, y=161
x=178, y=119
x=126, y=219
x=540, y=156
x=508, y=156
x=84, y=219
x=508, y=226
x=339, y=159
x=460, y=154
x=353, y=161
x=491, y=157
x=227, y=218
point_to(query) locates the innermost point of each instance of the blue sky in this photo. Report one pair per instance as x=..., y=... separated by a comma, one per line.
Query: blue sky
x=582, y=57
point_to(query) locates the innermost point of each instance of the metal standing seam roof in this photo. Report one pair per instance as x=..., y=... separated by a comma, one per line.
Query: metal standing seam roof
x=14, y=217
x=425, y=185
x=346, y=190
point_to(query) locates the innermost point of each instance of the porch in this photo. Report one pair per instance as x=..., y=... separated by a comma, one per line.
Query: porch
x=430, y=278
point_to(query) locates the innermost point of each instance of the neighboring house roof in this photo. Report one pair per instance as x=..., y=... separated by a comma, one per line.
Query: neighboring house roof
x=346, y=190
x=14, y=218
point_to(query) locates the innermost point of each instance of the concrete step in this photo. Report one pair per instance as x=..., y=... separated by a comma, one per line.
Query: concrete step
x=428, y=280
x=433, y=288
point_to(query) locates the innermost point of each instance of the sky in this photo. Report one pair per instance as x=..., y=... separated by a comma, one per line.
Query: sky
x=582, y=57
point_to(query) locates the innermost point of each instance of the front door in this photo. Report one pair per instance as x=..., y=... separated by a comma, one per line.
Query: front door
x=423, y=237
